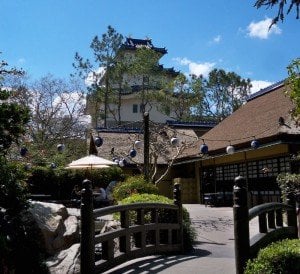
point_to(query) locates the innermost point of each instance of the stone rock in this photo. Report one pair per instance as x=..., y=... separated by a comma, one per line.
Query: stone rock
x=66, y=261
x=58, y=229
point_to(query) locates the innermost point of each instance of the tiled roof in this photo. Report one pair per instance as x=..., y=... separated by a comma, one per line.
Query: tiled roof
x=258, y=118
x=266, y=90
x=201, y=124
x=132, y=44
x=121, y=141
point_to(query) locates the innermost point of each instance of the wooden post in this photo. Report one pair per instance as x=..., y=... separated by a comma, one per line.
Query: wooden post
x=298, y=211
x=87, y=240
x=291, y=214
x=177, y=201
x=146, y=146
x=241, y=224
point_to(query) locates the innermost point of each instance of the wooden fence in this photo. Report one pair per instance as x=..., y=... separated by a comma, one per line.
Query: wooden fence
x=145, y=229
x=270, y=220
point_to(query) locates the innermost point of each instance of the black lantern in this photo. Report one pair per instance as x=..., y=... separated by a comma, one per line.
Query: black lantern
x=204, y=148
x=254, y=144
x=132, y=153
x=23, y=151
x=98, y=141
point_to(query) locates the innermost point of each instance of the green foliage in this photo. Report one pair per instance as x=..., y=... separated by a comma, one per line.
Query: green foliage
x=180, y=96
x=293, y=83
x=18, y=234
x=59, y=182
x=189, y=233
x=225, y=92
x=281, y=257
x=13, y=118
x=133, y=185
x=281, y=5
x=289, y=183
x=145, y=198
x=105, y=50
x=13, y=193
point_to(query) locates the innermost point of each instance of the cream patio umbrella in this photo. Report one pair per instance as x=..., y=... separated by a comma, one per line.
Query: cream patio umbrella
x=90, y=162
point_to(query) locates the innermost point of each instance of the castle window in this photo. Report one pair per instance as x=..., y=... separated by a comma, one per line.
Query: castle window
x=135, y=108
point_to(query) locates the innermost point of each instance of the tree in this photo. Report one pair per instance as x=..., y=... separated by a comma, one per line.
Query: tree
x=224, y=92
x=18, y=236
x=281, y=4
x=144, y=68
x=13, y=116
x=293, y=83
x=180, y=96
x=57, y=117
x=105, y=51
x=165, y=146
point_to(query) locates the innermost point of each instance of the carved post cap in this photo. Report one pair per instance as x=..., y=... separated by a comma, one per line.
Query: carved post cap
x=239, y=192
x=240, y=181
x=177, y=194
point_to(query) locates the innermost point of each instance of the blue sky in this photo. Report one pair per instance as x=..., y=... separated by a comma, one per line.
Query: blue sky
x=43, y=36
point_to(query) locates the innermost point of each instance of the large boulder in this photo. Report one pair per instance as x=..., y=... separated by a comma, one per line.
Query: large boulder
x=66, y=261
x=59, y=230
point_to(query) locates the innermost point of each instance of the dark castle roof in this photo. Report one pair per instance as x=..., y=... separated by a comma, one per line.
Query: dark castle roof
x=133, y=44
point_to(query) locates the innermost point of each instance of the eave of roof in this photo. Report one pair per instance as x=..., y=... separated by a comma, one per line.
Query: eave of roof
x=133, y=44
x=257, y=119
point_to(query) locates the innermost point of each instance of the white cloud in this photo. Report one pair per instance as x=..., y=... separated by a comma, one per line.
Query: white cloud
x=196, y=68
x=261, y=29
x=258, y=85
x=95, y=76
x=217, y=39
x=21, y=60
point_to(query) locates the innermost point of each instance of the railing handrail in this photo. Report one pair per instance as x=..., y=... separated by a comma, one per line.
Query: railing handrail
x=266, y=207
x=117, y=208
x=270, y=220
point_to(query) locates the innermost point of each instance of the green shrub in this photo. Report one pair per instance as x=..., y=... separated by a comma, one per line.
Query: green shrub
x=133, y=185
x=289, y=183
x=59, y=182
x=282, y=257
x=19, y=239
x=189, y=233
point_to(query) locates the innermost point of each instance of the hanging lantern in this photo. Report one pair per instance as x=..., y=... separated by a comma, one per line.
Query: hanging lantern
x=60, y=147
x=230, y=149
x=254, y=144
x=23, y=151
x=174, y=141
x=132, y=153
x=98, y=141
x=138, y=144
x=116, y=160
x=204, y=148
x=122, y=162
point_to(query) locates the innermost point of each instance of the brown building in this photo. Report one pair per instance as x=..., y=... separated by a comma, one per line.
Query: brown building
x=265, y=118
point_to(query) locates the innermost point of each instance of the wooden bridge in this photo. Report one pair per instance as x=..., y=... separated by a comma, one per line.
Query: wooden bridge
x=145, y=229
x=152, y=228
x=271, y=226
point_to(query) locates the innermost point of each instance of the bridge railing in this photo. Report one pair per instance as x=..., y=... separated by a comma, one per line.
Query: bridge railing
x=270, y=220
x=144, y=229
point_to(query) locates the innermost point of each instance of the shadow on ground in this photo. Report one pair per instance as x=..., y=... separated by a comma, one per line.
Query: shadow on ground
x=157, y=263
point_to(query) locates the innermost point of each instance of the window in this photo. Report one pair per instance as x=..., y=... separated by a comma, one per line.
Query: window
x=135, y=108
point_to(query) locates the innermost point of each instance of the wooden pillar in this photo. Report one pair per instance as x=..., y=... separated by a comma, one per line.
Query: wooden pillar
x=177, y=201
x=87, y=240
x=291, y=214
x=241, y=224
x=146, y=146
